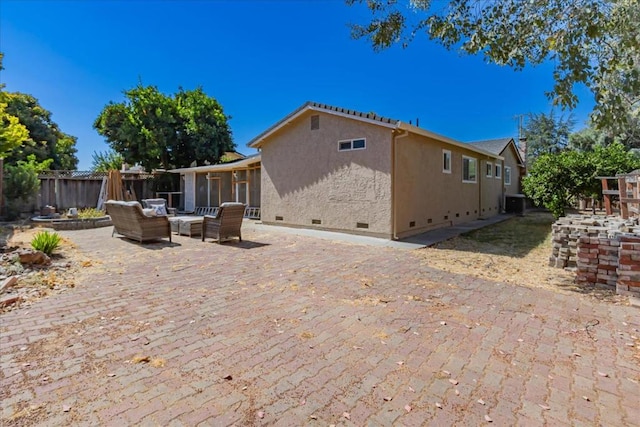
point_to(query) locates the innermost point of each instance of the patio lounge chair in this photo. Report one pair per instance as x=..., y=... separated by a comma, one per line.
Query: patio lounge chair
x=130, y=221
x=225, y=224
x=149, y=203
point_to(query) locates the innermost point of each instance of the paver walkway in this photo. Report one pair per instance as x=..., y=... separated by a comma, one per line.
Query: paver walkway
x=292, y=330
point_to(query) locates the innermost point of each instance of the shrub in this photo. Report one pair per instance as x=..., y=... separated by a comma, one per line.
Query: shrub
x=45, y=242
x=90, y=213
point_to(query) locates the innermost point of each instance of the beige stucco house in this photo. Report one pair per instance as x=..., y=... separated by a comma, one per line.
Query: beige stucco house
x=512, y=168
x=336, y=169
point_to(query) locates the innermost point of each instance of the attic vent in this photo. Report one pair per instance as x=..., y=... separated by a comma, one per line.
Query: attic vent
x=315, y=122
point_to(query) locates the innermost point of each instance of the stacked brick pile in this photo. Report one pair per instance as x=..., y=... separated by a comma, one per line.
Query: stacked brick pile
x=629, y=266
x=604, y=251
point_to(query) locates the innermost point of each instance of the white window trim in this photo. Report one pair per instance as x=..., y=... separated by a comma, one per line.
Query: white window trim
x=444, y=154
x=350, y=141
x=488, y=169
x=507, y=172
x=468, y=181
x=498, y=171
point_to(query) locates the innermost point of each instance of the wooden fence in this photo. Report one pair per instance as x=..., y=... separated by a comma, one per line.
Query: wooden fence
x=78, y=189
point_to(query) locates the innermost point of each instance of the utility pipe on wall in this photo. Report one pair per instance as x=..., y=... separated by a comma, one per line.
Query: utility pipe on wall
x=394, y=181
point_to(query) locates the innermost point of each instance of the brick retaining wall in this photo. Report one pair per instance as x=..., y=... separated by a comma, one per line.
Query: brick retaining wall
x=604, y=251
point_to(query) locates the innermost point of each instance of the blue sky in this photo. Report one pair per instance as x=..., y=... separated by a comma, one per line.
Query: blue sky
x=259, y=59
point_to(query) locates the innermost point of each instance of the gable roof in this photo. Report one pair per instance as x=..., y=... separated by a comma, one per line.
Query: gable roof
x=222, y=167
x=497, y=146
x=371, y=118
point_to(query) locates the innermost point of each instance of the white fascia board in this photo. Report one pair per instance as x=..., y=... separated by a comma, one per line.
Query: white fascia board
x=447, y=140
x=294, y=116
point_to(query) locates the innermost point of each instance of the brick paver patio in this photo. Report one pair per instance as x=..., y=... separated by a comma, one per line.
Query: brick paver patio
x=288, y=330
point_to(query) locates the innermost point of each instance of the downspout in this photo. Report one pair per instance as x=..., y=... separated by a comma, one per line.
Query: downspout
x=394, y=180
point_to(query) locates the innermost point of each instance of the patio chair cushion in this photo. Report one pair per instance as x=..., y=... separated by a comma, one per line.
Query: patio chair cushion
x=149, y=212
x=160, y=210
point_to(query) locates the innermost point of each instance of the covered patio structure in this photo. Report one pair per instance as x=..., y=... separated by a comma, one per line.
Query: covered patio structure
x=212, y=185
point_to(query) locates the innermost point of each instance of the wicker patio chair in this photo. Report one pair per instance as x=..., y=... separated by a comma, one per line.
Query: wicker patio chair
x=225, y=224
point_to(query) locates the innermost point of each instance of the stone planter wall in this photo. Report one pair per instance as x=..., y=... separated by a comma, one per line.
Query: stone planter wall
x=604, y=251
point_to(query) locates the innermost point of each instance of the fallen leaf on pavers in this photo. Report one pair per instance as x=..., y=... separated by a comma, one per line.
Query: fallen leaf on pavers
x=303, y=402
x=545, y=407
x=346, y=415
x=227, y=377
x=87, y=263
x=355, y=347
x=382, y=335
x=411, y=389
x=306, y=335
x=407, y=408
x=457, y=392
x=446, y=372
x=158, y=362
x=313, y=417
x=260, y=414
x=414, y=298
x=454, y=382
x=141, y=359
x=66, y=408
x=577, y=355
x=586, y=398
x=603, y=374
x=438, y=405
x=488, y=418
x=111, y=375
x=387, y=398
x=443, y=323
x=480, y=401
x=400, y=363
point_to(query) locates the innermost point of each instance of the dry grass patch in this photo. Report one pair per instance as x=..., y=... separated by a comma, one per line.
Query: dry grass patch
x=515, y=251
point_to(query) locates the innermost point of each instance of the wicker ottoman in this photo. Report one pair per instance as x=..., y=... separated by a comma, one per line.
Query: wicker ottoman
x=190, y=226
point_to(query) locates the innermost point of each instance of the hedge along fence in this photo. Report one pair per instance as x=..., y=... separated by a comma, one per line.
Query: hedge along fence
x=78, y=189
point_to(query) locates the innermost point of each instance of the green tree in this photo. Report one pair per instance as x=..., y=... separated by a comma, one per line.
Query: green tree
x=12, y=133
x=104, y=162
x=546, y=133
x=21, y=182
x=159, y=131
x=556, y=179
x=590, y=42
x=46, y=140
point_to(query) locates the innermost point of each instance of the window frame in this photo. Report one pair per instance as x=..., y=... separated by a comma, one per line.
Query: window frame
x=446, y=154
x=498, y=170
x=470, y=160
x=351, y=142
x=507, y=173
x=488, y=169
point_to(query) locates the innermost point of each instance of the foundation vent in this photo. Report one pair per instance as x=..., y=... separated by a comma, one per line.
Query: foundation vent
x=429, y=221
x=412, y=224
x=362, y=225
x=316, y=221
x=279, y=218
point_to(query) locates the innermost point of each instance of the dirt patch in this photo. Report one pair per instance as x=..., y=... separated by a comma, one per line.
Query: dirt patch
x=513, y=252
x=35, y=282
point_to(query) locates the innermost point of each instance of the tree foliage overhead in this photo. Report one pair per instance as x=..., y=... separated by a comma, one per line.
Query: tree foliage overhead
x=590, y=42
x=160, y=131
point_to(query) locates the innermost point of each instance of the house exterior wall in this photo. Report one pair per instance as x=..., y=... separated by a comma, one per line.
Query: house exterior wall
x=427, y=197
x=511, y=160
x=307, y=182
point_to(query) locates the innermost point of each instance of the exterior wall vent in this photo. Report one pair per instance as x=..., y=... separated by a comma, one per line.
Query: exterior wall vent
x=362, y=225
x=429, y=221
x=315, y=122
x=316, y=221
x=457, y=215
x=446, y=217
x=412, y=224
x=279, y=218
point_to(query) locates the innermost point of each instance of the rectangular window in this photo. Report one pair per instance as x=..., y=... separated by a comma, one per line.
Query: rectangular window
x=469, y=169
x=507, y=175
x=352, y=144
x=498, y=171
x=489, y=169
x=446, y=161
